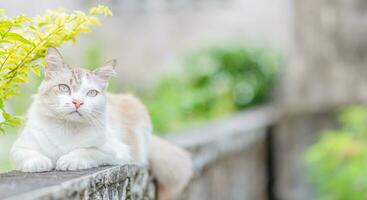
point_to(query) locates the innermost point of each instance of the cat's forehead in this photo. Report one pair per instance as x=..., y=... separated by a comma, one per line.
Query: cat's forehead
x=76, y=78
x=78, y=75
x=81, y=77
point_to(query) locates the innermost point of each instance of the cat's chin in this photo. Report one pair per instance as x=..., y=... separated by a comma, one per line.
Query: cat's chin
x=75, y=116
x=80, y=117
x=76, y=113
x=67, y=117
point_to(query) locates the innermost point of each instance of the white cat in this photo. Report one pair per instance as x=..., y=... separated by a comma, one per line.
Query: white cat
x=74, y=124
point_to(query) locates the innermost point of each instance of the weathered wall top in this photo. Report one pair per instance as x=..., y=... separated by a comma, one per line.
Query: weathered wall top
x=225, y=137
x=109, y=182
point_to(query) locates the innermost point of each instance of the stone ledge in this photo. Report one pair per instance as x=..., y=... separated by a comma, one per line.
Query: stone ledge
x=225, y=137
x=109, y=182
x=230, y=156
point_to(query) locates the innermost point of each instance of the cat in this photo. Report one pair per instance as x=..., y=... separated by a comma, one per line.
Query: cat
x=73, y=124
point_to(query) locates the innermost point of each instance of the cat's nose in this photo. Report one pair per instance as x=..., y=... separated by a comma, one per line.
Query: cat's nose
x=77, y=103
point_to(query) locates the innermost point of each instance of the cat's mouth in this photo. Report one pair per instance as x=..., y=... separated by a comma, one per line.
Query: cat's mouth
x=77, y=112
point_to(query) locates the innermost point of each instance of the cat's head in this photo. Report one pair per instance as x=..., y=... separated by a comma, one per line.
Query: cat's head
x=73, y=94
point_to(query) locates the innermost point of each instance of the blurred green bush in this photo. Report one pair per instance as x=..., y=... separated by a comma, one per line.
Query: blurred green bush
x=214, y=82
x=338, y=161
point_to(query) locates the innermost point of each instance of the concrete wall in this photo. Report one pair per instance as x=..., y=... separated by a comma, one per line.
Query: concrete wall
x=230, y=157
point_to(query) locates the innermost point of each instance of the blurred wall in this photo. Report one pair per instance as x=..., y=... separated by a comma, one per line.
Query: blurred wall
x=328, y=66
x=148, y=37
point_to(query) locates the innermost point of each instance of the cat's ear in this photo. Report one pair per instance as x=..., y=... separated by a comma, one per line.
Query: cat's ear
x=106, y=71
x=54, y=62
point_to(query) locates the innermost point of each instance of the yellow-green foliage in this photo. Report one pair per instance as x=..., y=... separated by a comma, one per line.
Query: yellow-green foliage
x=23, y=41
x=338, y=161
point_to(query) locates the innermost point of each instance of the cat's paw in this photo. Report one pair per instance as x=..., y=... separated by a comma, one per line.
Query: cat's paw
x=71, y=162
x=37, y=164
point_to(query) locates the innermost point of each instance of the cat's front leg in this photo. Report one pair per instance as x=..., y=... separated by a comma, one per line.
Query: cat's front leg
x=78, y=159
x=27, y=160
x=84, y=158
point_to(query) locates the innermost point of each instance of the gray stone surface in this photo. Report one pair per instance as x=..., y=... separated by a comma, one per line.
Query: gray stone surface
x=229, y=156
x=109, y=182
x=220, y=138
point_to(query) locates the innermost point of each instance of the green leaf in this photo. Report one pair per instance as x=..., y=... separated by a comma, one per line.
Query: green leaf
x=17, y=37
x=4, y=41
x=36, y=70
x=6, y=115
x=5, y=24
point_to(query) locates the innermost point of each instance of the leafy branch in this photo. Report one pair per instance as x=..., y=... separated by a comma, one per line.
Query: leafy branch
x=24, y=41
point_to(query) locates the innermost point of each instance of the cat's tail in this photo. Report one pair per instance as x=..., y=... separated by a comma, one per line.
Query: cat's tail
x=172, y=167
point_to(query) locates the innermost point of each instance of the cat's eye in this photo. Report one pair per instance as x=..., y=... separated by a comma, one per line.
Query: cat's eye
x=92, y=93
x=64, y=88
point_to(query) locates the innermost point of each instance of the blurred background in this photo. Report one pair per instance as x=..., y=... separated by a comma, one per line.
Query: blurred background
x=195, y=61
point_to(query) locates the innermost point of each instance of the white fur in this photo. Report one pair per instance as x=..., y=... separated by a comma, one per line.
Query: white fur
x=55, y=139
x=47, y=143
